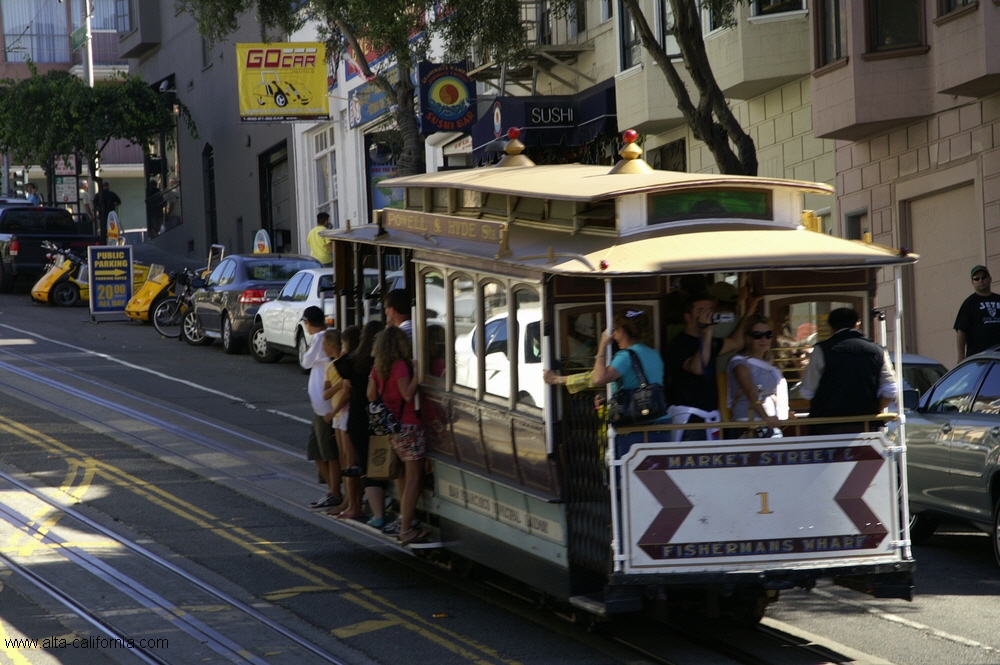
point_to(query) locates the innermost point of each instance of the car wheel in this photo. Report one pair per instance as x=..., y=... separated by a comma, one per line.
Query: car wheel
x=302, y=346
x=280, y=99
x=258, y=345
x=230, y=344
x=65, y=294
x=922, y=527
x=191, y=330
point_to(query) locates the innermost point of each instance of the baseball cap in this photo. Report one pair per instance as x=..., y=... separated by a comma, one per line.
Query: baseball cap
x=724, y=292
x=314, y=315
x=976, y=269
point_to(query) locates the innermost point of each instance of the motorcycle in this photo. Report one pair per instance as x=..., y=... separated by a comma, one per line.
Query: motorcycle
x=160, y=286
x=65, y=280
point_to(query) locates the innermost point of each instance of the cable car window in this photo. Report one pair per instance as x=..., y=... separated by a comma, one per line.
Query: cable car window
x=528, y=370
x=710, y=204
x=495, y=358
x=434, y=326
x=463, y=290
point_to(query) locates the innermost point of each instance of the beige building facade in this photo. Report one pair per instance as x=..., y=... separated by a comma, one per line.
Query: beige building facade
x=914, y=107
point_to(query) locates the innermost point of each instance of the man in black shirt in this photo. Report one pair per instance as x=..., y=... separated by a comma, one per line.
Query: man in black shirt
x=106, y=201
x=690, y=364
x=978, y=320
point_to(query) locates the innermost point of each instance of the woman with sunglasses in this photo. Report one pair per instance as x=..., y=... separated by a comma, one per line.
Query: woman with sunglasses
x=757, y=390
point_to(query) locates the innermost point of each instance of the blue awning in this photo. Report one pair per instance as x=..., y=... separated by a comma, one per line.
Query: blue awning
x=548, y=120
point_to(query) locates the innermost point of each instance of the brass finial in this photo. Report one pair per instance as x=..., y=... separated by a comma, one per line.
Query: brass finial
x=514, y=149
x=631, y=161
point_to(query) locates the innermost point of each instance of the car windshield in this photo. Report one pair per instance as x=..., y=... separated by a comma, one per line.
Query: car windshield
x=272, y=270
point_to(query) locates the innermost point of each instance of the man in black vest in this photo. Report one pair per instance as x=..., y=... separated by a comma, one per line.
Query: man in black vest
x=847, y=375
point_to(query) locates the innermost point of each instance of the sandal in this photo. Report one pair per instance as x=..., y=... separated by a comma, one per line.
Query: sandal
x=421, y=536
x=349, y=516
x=336, y=510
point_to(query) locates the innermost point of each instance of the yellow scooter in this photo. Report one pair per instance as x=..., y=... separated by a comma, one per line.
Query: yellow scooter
x=66, y=283
x=160, y=285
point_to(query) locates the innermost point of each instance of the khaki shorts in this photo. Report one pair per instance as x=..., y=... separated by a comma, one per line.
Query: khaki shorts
x=322, y=444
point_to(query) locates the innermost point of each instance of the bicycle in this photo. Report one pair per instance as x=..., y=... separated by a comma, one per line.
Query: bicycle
x=168, y=317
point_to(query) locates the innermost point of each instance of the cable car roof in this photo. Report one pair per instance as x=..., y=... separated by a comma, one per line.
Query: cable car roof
x=578, y=182
x=733, y=247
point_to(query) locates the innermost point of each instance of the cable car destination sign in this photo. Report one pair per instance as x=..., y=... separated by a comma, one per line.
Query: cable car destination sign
x=705, y=507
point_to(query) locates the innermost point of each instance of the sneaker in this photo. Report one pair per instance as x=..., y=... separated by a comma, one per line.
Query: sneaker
x=392, y=528
x=328, y=501
x=377, y=522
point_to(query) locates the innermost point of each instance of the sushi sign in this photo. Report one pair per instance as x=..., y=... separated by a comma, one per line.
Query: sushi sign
x=447, y=98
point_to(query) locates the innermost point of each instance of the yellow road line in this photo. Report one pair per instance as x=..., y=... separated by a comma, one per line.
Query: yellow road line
x=14, y=654
x=365, y=627
x=309, y=571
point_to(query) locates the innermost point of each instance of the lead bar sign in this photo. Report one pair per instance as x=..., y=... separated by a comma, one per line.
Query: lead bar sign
x=110, y=279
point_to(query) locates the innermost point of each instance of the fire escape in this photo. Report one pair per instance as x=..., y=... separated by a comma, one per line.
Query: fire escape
x=552, y=51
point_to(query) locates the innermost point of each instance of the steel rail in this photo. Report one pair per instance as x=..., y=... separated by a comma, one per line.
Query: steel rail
x=160, y=561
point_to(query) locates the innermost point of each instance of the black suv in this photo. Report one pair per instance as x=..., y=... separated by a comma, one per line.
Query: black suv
x=22, y=230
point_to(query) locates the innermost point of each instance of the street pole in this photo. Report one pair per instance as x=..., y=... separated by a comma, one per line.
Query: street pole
x=88, y=10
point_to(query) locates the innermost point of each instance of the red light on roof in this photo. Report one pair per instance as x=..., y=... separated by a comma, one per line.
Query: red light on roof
x=630, y=135
x=513, y=133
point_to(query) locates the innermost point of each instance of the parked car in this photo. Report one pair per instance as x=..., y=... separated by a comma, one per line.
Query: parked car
x=23, y=228
x=225, y=305
x=278, y=329
x=530, y=385
x=953, y=444
x=919, y=373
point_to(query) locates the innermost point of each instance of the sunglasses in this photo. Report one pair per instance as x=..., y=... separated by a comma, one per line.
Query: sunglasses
x=980, y=278
x=756, y=334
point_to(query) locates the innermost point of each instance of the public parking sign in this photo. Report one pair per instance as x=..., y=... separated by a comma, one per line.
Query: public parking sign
x=110, y=279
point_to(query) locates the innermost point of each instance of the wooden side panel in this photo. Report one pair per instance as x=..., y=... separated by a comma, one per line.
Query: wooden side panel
x=499, y=443
x=466, y=434
x=436, y=412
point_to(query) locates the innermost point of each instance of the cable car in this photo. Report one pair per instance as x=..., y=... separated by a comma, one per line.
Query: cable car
x=516, y=269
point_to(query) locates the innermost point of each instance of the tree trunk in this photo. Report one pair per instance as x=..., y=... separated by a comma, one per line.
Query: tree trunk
x=711, y=120
x=411, y=161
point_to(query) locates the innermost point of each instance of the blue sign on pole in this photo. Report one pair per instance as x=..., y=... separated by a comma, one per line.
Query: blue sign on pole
x=110, y=278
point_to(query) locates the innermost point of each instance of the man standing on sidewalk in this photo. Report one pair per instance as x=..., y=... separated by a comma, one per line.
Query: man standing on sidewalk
x=978, y=322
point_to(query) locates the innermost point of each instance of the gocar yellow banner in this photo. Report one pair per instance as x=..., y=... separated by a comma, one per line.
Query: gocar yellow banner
x=282, y=82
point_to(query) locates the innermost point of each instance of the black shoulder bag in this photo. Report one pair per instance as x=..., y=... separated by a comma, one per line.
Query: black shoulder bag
x=633, y=406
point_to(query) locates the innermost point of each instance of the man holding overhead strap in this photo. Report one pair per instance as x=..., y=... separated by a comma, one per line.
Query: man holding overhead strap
x=690, y=361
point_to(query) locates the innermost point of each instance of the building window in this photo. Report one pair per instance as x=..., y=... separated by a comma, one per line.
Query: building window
x=770, y=7
x=207, y=51
x=578, y=19
x=856, y=225
x=124, y=11
x=325, y=163
x=544, y=23
x=607, y=10
x=832, y=31
x=895, y=24
x=671, y=157
x=35, y=30
x=631, y=53
x=667, y=39
x=951, y=5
